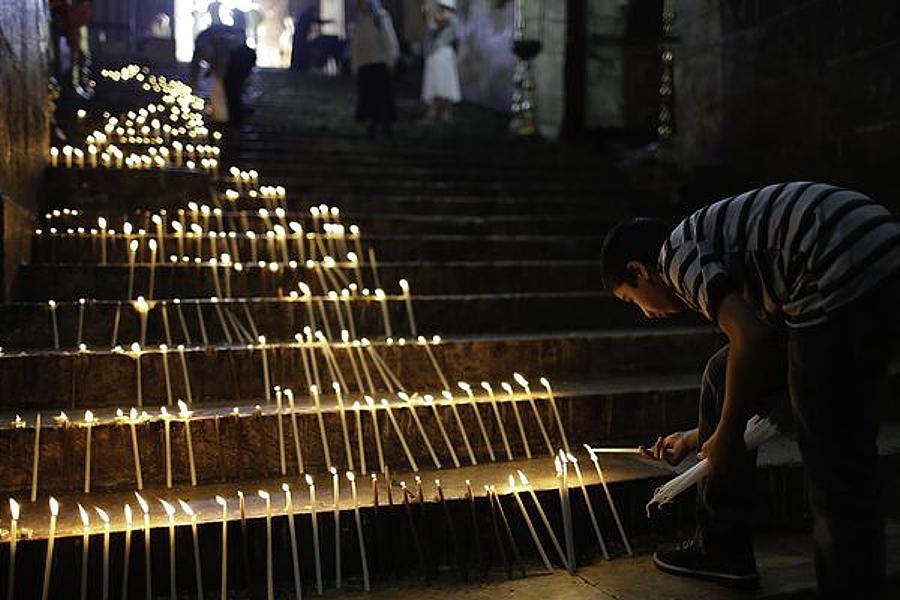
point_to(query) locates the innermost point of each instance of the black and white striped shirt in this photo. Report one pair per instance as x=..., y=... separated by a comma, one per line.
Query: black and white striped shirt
x=796, y=251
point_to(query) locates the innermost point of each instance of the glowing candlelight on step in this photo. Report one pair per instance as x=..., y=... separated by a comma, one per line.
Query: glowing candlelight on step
x=359, y=531
x=13, y=541
x=35, y=457
x=198, y=573
x=400, y=436
x=132, y=257
x=590, y=506
x=148, y=576
x=412, y=410
x=185, y=416
x=270, y=584
x=224, y=568
x=314, y=392
x=370, y=402
x=515, y=408
x=295, y=557
x=531, y=530
x=553, y=407
x=407, y=298
x=265, y=365
x=459, y=423
x=126, y=557
x=537, y=415
x=170, y=512
x=336, y=498
x=101, y=225
x=48, y=561
x=385, y=315
x=52, y=305
x=315, y=531
x=537, y=503
x=54, y=157
x=104, y=517
x=428, y=400
x=88, y=423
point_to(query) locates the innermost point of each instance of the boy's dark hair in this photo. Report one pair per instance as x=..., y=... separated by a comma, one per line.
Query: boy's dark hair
x=633, y=239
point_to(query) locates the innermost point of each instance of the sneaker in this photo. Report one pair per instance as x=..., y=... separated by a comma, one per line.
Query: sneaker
x=689, y=560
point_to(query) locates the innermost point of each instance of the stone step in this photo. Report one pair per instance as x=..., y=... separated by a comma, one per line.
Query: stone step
x=28, y=325
x=110, y=282
x=228, y=375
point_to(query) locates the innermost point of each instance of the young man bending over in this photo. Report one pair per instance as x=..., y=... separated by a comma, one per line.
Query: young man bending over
x=803, y=280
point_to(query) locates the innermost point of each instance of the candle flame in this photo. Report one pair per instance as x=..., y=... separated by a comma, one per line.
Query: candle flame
x=385, y=403
x=170, y=510
x=512, y=482
x=522, y=477
x=136, y=348
x=370, y=402
x=487, y=387
x=183, y=409
x=104, y=516
x=263, y=494
x=14, y=509
x=557, y=464
x=351, y=476
x=333, y=471
x=520, y=380
x=464, y=386
x=145, y=507
x=545, y=382
x=88, y=417
x=85, y=518
x=285, y=488
x=447, y=395
x=506, y=387
x=186, y=508
x=133, y=414
x=54, y=506
x=221, y=501
x=133, y=246
x=101, y=222
x=404, y=285
x=128, y=515
x=309, y=479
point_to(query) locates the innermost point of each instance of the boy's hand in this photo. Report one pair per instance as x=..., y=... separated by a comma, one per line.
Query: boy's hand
x=723, y=449
x=673, y=448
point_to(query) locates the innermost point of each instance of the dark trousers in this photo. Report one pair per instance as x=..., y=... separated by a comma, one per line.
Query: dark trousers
x=240, y=65
x=837, y=377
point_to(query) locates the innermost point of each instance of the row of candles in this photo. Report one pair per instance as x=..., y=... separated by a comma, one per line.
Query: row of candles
x=287, y=407
x=517, y=485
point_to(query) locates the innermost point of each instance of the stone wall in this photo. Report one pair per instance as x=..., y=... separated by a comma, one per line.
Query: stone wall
x=794, y=89
x=23, y=125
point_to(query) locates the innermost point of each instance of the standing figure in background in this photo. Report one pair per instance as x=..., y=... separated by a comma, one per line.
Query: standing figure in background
x=374, y=53
x=440, y=80
x=230, y=62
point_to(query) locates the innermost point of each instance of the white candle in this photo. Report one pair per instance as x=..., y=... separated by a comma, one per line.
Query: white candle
x=315, y=531
x=164, y=351
x=185, y=415
x=224, y=569
x=295, y=557
x=81, y=303
x=559, y=423
x=270, y=584
x=336, y=497
x=152, y=244
x=132, y=257
x=135, y=451
x=360, y=446
x=484, y=434
x=88, y=423
x=359, y=531
x=531, y=530
x=428, y=400
x=101, y=225
x=278, y=414
x=36, y=456
x=197, y=571
x=184, y=370
x=126, y=560
x=170, y=511
x=148, y=576
x=527, y=485
x=314, y=391
x=48, y=561
x=52, y=305
x=54, y=156
x=459, y=424
x=370, y=402
x=105, y=518
x=85, y=549
x=609, y=498
x=563, y=470
x=13, y=540
x=404, y=285
x=167, y=438
x=385, y=315
x=490, y=391
x=590, y=506
x=343, y=416
x=400, y=436
x=515, y=407
x=537, y=415
x=412, y=410
x=265, y=365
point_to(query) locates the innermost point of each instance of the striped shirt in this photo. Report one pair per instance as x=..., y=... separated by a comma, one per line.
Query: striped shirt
x=796, y=251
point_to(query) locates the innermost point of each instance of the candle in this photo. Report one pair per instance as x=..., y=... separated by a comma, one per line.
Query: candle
x=81, y=303
x=132, y=257
x=537, y=503
x=88, y=423
x=433, y=359
x=487, y=387
x=54, y=157
x=370, y=402
x=48, y=561
x=148, y=575
x=553, y=407
x=590, y=506
x=534, y=535
x=343, y=416
x=428, y=400
x=315, y=531
x=563, y=475
x=495, y=527
x=515, y=407
x=314, y=391
x=484, y=435
x=476, y=529
x=409, y=404
x=407, y=298
x=359, y=531
x=136, y=351
x=278, y=414
x=295, y=558
x=265, y=365
x=537, y=415
x=157, y=220
x=184, y=370
x=224, y=569
x=170, y=511
x=185, y=415
x=132, y=421
x=609, y=498
x=270, y=584
x=126, y=560
x=400, y=436
x=36, y=456
x=85, y=549
x=105, y=518
x=164, y=352
x=167, y=437
x=336, y=497
x=152, y=244
x=101, y=225
x=459, y=424
x=412, y=528
x=13, y=540
x=198, y=573
x=359, y=435
x=53, y=322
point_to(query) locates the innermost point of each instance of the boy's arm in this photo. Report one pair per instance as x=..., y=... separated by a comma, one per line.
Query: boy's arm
x=749, y=358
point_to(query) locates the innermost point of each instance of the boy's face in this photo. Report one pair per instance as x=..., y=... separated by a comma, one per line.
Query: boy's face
x=655, y=299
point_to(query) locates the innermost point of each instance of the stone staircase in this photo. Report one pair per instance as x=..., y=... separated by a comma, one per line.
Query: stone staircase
x=498, y=240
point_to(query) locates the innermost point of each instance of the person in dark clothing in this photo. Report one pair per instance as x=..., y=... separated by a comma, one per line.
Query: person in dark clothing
x=374, y=53
x=229, y=58
x=804, y=280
